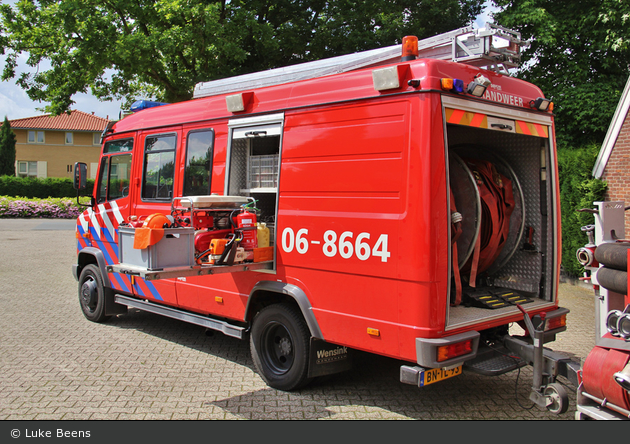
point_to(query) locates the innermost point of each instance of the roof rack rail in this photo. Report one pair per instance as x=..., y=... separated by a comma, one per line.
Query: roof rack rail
x=475, y=47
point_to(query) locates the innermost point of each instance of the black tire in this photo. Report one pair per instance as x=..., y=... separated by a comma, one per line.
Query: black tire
x=280, y=345
x=92, y=294
x=557, y=398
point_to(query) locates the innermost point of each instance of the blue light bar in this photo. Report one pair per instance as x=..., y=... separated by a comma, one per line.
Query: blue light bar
x=144, y=104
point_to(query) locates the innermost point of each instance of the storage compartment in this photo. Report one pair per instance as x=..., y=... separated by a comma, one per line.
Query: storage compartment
x=254, y=153
x=175, y=249
x=524, y=267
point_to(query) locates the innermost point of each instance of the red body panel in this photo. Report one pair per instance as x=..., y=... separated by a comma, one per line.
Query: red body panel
x=362, y=167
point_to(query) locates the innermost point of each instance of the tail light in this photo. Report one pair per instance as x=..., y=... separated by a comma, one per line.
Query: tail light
x=556, y=322
x=450, y=351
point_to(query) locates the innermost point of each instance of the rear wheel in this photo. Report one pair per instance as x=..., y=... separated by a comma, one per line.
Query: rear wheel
x=92, y=294
x=279, y=344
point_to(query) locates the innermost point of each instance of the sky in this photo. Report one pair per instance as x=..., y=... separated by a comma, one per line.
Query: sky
x=15, y=104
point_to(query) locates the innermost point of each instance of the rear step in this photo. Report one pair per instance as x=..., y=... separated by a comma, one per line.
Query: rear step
x=494, y=361
x=192, y=318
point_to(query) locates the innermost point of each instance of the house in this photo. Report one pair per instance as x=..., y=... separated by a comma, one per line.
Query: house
x=613, y=162
x=48, y=146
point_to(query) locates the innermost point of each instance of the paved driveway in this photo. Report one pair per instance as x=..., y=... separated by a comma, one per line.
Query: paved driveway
x=54, y=364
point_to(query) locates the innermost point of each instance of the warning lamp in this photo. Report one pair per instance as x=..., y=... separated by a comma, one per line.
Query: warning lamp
x=450, y=351
x=409, y=48
x=139, y=105
x=453, y=85
x=478, y=86
x=541, y=104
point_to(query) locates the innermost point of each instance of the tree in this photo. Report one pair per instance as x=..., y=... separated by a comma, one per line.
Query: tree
x=579, y=56
x=7, y=149
x=162, y=48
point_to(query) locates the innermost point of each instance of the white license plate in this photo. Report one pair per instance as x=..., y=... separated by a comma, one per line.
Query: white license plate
x=438, y=374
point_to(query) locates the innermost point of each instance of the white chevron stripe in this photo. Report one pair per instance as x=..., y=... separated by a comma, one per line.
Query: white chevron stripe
x=94, y=220
x=119, y=218
x=83, y=221
x=106, y=216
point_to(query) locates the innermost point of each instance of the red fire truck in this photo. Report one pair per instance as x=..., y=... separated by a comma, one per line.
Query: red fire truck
x=411, y=207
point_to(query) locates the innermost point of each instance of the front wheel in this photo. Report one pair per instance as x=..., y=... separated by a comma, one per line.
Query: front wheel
x=279, y=344
x=92, y=294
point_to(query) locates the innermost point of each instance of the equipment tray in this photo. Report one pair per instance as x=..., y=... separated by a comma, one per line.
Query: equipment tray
x=195, y=270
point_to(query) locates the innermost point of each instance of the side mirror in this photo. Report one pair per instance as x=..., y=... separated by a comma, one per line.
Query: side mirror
x=80, y=176
x=80, y=182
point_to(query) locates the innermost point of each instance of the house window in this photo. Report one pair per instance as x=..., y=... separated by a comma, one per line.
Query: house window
x=35, y=136
x=26, y=169
x=69, y=139
x=96, y=138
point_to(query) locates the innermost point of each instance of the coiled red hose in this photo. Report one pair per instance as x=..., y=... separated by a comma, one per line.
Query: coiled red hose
x=597, y=375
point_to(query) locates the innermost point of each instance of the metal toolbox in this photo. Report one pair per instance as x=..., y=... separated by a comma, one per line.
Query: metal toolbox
x=175, y=249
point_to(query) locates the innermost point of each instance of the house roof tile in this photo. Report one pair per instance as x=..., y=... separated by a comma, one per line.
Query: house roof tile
x=75, y=121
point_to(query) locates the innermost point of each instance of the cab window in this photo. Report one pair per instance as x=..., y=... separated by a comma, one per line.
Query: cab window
x=159, y=167
x=197, y=175
x=114, y=177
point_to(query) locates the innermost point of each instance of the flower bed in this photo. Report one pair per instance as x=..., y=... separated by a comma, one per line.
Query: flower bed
x=20, y=207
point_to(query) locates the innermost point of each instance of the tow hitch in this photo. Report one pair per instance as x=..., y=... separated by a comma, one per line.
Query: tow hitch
x=547, y=365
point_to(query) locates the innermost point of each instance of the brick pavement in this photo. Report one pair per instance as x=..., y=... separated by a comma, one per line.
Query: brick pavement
x=56, y=365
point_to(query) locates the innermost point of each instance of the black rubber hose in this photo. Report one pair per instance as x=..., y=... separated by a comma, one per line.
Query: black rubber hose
x=613, y=280
x=613, y=255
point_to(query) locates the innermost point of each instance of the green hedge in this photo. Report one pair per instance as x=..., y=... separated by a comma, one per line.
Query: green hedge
x=578, y=189
x=39, y=188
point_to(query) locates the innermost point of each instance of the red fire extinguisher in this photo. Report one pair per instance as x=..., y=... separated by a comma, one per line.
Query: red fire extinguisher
x=246, y=220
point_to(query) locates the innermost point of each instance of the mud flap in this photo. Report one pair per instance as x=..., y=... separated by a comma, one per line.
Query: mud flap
x=326, y=359
x=111, y=307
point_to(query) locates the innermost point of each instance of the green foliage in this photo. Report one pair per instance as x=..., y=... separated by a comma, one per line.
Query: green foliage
x=579, y=57
x=578, y=189
x=162, y=48
x=7, y=149
x=31, y=187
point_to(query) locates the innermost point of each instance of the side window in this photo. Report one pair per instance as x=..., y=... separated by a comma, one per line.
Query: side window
x=159, y=167
x=119, y=172
x=114, y=177
x=198, y=163
x=103, y=175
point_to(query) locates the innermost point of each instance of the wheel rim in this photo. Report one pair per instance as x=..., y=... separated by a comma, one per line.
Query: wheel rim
x=277, y=348
x=89, y=294
x=557, y=399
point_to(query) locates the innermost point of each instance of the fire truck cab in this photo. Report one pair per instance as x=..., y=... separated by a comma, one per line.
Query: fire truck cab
x=412, y=209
